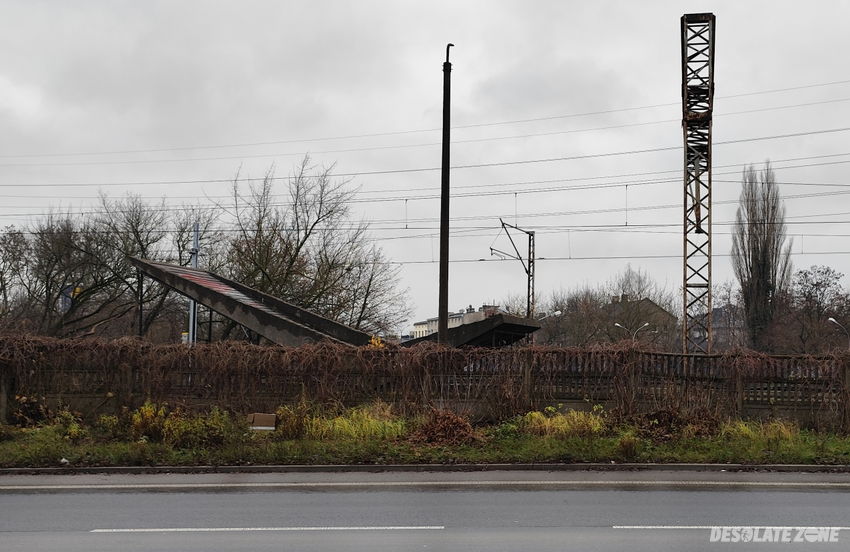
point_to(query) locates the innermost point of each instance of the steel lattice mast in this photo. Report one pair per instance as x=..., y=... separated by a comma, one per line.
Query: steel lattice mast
x=697, y=105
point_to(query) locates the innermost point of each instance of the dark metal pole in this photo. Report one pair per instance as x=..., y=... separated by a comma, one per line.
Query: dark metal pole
x=530, y=304
x=443, y=312
x=141, y=301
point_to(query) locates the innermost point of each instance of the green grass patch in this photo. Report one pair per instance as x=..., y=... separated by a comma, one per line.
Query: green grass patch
x=375, y=434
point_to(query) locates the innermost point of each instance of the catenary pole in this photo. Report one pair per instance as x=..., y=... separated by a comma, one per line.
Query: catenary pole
x=193, y=307
x=443, y=311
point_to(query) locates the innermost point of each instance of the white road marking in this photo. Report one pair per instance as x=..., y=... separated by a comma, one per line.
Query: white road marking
x=214, y=529
x=702, y=526
x=354, y=484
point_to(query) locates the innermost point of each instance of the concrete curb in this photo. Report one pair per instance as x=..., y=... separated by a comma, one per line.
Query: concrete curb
x=400, y=468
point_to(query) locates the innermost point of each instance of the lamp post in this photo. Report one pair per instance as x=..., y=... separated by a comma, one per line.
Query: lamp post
x=834, y=321
x=541, y=319
x=634, y=334
x=556, y=313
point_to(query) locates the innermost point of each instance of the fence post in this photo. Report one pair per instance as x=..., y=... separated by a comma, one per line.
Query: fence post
x=845, y=396
x=5, y=385
x=125, y=393
x=628, y=370
x=526, y=378
x=739, y=392
x=426, y=381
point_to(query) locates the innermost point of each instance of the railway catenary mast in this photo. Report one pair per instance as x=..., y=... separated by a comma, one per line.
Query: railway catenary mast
x=697, y=105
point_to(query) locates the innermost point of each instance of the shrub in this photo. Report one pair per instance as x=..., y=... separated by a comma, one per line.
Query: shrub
x=507, y=430
x=628, y=446
x=292, y=421
x=772, y=430
x=374, y=421
x=778, y=430
x=148, y=422
x=7, y=432
x=739, y=429
x=570, y=424
x=444, y=427
x=70, y=425
x=29, y=411
x=213, y=429
x=112, y=427
x=668, y=424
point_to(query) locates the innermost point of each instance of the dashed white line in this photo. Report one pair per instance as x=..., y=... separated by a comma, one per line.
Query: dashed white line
x=232, y=529
x=662, y=527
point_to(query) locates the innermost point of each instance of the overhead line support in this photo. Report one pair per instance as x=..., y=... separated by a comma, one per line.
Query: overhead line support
x=697, y=106
x=443, y=306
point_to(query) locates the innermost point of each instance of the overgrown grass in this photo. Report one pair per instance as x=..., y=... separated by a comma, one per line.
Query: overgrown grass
x=374, y=422
x=375, y=434
x=573, y=423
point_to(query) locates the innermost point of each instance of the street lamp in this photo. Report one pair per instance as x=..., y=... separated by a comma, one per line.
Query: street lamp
x=834, y=321
x=634, y=334
x=542, y=318
x=556, y=313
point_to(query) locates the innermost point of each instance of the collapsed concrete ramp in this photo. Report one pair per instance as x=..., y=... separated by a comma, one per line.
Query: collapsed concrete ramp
x=272, y=318
x=500, y=330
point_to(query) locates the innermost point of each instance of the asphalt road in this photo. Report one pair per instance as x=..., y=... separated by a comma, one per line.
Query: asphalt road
x=493, y=511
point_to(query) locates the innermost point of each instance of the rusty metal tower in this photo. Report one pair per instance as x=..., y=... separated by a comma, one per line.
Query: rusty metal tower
x=697, y=105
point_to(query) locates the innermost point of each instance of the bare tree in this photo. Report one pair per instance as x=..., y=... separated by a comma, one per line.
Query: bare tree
x=761, y=257
x=582, y=319
x=68, y=275
x=641, y=308
x=13, y=255
x=130, y=226
x=728, y=322
x=307, y=250
x=373, y=301
x=517, y=304
x=638, y=301
x=210, y=235
x=60, y=280
x=816, y=296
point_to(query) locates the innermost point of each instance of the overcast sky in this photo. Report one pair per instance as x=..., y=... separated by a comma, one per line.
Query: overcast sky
x=170, y=99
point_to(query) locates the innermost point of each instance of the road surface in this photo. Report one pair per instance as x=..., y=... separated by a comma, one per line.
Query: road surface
x=493, y=511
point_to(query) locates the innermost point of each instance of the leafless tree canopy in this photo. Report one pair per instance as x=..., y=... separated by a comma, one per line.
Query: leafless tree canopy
x=68, y=275
x=761, y=257
x=305, y=249
x=631, y=298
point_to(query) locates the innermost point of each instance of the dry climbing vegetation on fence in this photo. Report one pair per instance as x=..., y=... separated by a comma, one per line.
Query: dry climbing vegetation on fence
x=483, y=382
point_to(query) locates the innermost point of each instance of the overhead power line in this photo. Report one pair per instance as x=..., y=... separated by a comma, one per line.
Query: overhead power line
x=364, y=149
x=488, y=185
x=525, y=161
x=627, y=257
x=424, y=130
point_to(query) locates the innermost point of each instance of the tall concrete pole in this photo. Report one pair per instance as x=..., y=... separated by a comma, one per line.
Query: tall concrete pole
x=193, y=307
x=443, y=312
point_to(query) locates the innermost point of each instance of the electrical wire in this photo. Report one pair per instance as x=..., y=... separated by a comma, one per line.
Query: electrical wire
x=403, y=132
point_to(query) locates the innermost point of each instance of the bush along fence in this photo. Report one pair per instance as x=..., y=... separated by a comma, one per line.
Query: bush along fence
x=103, y=377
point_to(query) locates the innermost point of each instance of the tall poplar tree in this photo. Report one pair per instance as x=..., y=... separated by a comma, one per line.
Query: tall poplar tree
x=761, y=255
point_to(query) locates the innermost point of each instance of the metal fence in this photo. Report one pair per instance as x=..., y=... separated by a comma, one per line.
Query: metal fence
x=104, y=377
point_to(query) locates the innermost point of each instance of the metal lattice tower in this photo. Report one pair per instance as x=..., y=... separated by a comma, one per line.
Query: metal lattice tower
x=697, y=105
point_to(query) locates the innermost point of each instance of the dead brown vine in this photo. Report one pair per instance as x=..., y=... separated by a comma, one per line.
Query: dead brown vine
x=102, y=377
